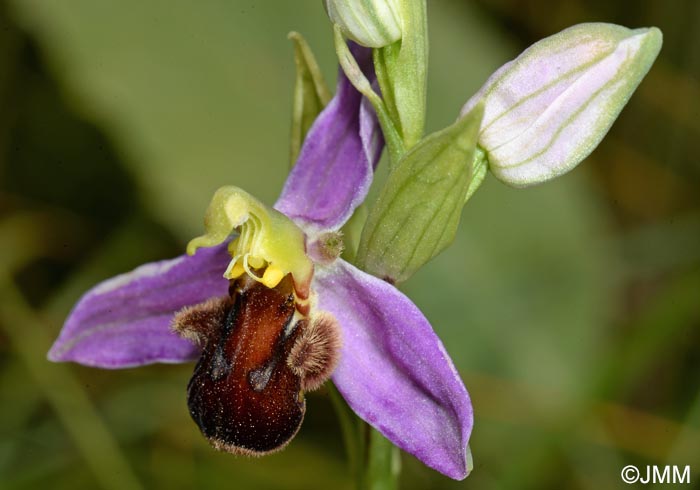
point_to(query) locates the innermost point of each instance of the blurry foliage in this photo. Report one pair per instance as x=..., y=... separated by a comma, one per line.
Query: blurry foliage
x=572, y=309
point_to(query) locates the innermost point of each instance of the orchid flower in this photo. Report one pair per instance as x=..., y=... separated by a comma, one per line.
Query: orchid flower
x=272, y=312
x=266, y=303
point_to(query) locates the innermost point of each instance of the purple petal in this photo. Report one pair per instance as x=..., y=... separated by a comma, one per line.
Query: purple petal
x=335, y=167
x=394, y=372
x=125, y=321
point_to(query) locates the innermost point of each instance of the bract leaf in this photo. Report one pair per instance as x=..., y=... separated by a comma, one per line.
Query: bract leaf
x=418, y=210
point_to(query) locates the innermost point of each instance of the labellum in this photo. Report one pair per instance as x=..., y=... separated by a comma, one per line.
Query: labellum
x=260, y=351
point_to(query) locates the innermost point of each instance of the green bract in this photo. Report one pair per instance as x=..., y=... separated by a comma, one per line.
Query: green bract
x=418, y=210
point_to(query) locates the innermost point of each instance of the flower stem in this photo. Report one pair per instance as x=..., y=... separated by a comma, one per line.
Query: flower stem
x=375, y=463
x=402, y=71
x=383, y=463
x=353, y=429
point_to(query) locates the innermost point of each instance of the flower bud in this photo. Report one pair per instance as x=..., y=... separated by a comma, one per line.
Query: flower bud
x=373, y=23
x=549, y=108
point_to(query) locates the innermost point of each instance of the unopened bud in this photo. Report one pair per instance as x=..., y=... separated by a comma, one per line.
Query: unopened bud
x=372, y=23
x=548, y=109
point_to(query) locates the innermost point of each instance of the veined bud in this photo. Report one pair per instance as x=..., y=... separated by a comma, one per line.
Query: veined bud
x=547, y=110
x=372, y=23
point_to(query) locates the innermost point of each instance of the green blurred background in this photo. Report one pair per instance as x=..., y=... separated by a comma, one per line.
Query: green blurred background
x=571, y=309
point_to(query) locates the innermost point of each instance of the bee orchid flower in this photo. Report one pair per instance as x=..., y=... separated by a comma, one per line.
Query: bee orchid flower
x=271, y=310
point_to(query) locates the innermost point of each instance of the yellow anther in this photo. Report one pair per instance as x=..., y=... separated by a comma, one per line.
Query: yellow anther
x=272, y=276
x=235, y=270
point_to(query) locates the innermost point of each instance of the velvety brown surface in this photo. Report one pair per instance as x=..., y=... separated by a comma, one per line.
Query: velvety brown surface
x=242, y=395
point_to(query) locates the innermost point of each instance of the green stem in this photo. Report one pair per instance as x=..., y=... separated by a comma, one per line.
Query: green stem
x=353, y=429
x=64, y=393
x=379, y=58
x=402, y=72
x=375, y=463
x=383, y=463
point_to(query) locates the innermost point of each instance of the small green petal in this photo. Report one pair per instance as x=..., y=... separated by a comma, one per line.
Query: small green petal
x=352, y=70
x=311, y=94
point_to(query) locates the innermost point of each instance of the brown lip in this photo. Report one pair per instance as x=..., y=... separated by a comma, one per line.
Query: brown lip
x=243, y=395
